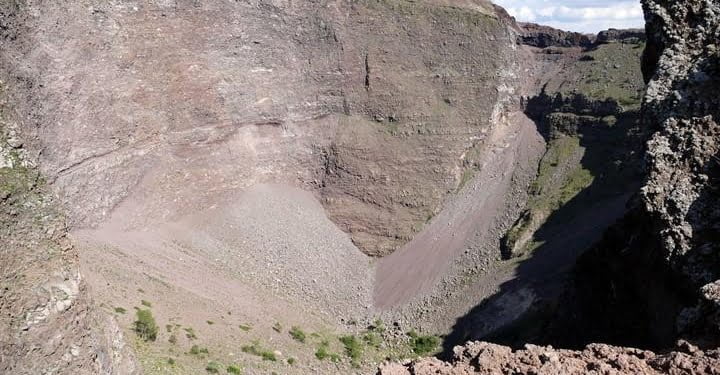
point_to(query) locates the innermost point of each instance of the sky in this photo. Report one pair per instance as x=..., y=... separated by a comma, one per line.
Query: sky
x=588, y=16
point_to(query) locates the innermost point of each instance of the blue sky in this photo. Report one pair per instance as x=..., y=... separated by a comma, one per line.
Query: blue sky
x=577, y=15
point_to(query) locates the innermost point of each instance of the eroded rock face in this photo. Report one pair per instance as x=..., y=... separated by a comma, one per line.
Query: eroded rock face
x=666, y=249
x=49, y=324
x=544, y=36
x=167, y=106
x=652, y=278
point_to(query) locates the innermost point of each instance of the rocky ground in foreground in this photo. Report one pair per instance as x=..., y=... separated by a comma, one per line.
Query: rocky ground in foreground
x=492, y=359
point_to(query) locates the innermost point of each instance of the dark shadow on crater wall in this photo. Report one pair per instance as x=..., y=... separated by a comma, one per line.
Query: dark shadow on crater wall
x=612, y=156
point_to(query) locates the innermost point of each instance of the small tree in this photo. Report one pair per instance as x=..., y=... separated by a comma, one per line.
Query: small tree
x=145, y=325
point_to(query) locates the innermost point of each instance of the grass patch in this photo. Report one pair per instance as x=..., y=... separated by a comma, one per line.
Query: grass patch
x=423, y=344
x=190, y=333
x=297, y=334
x=234, y=369
x=377, y=326
x=257, y=350
x=353, y=347
x=197, y=350
x=372, y=339
x=145, y=325
x=171, y=361
x=213, y=367
x=323, y=352
x=466, y=177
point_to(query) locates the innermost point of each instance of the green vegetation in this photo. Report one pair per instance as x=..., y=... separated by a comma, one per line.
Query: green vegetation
x=146, y=303
x=197, y=350
x=190, y=333
x=377, y=326
x=291, y=361
x=120, y=310
x=256, y=349
x=466, y=177
x=297, y=334
x=145, y=325
x=372, y=339
x=353, y=347
x=245, y=327
x=323, y=352
x=558, y=181
x=610, y=71
x=234, y=369
x=213, y=367
x=210, y=322
x=171, y=361
x=423, y=344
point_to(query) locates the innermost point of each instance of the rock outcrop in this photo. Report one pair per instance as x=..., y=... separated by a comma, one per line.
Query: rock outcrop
x=541, y=36
x=491, y=359
x=48, y=322
x=652, y=279
x=622, y=35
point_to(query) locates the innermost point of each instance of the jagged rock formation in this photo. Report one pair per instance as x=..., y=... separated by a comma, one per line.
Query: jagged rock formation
x=647, y=275
x=535, y=35
x=651, y=279
x=491, y=359
x=624, y=35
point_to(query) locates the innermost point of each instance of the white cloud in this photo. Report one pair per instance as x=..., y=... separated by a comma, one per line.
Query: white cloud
x=577, y=15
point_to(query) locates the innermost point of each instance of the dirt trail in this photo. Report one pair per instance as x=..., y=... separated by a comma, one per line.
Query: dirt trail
x=422, y=262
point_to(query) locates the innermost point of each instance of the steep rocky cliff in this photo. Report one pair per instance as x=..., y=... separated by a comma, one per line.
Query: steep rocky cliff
x=651, y=279
x=49, y=323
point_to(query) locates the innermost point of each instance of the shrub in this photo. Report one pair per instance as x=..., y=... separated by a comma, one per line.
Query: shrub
x=297, y=334
x=196, y=350
x=120, y=310
x=146, y=303
x=245, y=327
x=234, y=369
x=190, y=333
x=372, y=339
x=422, y=345
x=213, y=367
x=145, y=325
x=171, y=361
x=210, y=322
x=291, y=361
x=256, y=349
x=353, y=347
x=377, y=326
x=323, y=352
